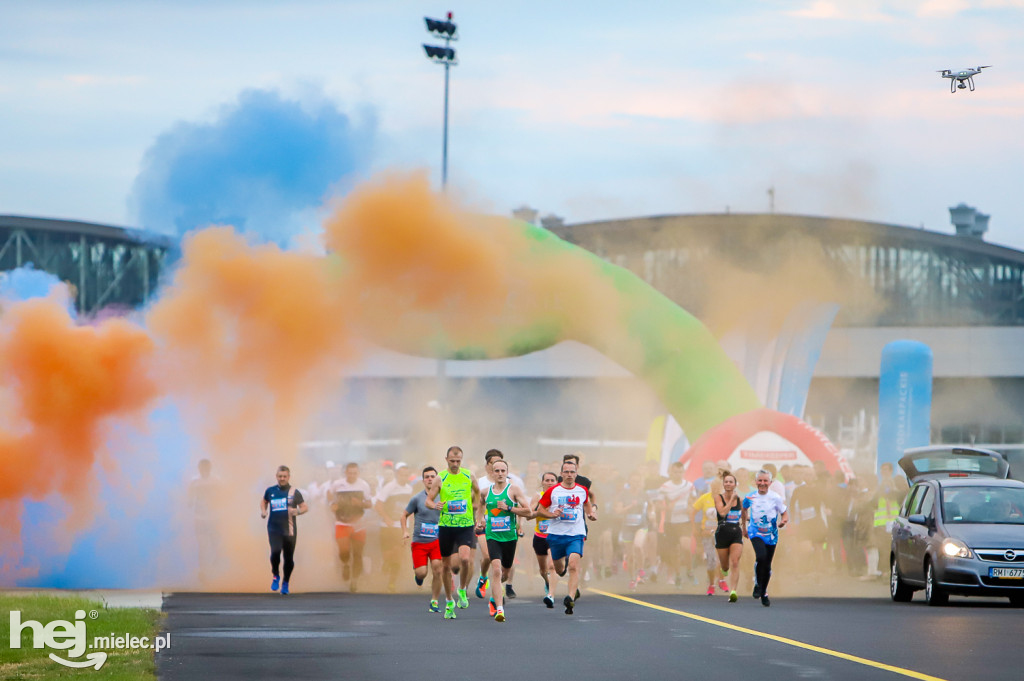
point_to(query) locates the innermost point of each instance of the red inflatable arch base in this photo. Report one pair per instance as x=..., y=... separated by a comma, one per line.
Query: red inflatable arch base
x=754, y=438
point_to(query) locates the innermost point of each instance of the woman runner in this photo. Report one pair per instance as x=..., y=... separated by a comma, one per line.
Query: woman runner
x=729, y=535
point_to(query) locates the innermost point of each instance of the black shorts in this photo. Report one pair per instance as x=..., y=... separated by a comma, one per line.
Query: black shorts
x=728, y=534
x=505, y=551
x=540, y=545
x=449, y=539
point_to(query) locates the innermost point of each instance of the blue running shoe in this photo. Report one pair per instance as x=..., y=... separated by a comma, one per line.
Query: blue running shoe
x=434, y=607
x=419, y=580
x=274, y=584
x=481, y=586
x=284, y=588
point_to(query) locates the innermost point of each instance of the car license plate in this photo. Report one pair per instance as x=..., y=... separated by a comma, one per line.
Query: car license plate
x=1006, y=573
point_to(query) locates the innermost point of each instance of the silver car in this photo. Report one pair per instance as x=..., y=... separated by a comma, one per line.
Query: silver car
x=961, y=527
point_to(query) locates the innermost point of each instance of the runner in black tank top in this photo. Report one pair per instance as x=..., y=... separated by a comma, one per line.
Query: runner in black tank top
x=729, y=535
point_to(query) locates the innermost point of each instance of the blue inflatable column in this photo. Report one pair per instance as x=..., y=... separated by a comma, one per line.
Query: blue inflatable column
x=904, y=399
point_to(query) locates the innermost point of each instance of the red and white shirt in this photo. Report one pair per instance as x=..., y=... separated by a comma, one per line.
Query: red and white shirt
x=571, y=502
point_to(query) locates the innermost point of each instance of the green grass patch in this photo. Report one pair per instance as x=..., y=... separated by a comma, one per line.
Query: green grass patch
x=28, y=663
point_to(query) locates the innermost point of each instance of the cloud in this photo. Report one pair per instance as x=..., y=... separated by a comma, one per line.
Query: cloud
x=263, y=166
x=843, y=11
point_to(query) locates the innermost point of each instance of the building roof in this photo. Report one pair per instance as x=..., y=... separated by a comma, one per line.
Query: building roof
x=88, y=228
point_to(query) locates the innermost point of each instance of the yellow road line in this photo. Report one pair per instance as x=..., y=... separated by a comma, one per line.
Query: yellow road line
x=780, y=639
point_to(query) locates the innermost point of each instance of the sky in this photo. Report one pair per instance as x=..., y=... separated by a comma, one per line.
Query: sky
x=586, y=110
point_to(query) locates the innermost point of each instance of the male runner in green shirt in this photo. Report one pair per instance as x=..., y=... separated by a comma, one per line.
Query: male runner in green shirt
x=456, y=495
x=502, y=502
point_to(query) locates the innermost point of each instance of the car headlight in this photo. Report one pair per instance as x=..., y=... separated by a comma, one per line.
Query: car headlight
x=954, y=548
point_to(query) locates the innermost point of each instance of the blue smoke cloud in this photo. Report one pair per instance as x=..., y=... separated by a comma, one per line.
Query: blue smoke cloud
x=26, y=282
x=263, y=165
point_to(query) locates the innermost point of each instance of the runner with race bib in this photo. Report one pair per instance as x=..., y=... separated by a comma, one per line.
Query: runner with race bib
x=765, y=513
x=425, y=549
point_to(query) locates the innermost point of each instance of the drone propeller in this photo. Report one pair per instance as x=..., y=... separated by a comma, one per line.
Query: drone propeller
x=984, y=67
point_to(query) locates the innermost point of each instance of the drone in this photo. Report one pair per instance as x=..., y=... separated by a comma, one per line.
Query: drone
x=957, y=79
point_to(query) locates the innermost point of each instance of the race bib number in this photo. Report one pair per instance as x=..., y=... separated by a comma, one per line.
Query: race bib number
x=570, y=513
x=500, y=523
x=807, y=513
x=428, y=530
x=542, y=526
x=456, y=506
x=733, y=516
x=764, y=530
x=279, y=504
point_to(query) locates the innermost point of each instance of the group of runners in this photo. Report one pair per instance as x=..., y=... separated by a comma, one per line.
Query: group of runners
x=456, y=514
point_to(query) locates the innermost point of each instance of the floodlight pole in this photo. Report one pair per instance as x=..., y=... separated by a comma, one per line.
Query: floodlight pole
x=444, y=145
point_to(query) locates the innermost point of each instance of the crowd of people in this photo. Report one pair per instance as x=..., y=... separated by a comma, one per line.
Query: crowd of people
x=464, y=531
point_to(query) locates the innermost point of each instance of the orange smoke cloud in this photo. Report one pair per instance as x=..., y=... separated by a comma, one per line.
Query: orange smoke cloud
x=60, y=385
x=248, y=333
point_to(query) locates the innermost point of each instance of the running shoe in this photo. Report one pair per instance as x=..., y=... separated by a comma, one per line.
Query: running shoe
x=449, y=610
x=567, y=602
x=723, y=585
x=725, y=573
x=711, y=591
x=419, y=580
x=757, y=591
x=491, y=607
x=499, y=616
x=284, y=588
x=481, y=586
x=509, y=591
x=765, y=602
x=352, y=586
x=632, y=586
x=577, y=596
x=549, y=601
x=641, y=576
x=274, y=584
x=733, y=597
x=463, y=599
x=434, y=607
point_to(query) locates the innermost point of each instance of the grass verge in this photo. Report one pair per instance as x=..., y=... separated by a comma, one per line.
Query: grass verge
x=27, y=663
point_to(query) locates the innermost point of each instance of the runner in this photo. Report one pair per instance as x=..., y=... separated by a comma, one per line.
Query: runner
x=566, y=504
x=766, y=514
x=484, y=483
x=456, y=495
x=351, y=497
x=540, y=542
x=674, y=499
x=588, y=483
x=501, y=502
x=280, y=505
x=205, y=493
x=393, y=496
x=425, y=549
x=729, y=534
x=704, y=515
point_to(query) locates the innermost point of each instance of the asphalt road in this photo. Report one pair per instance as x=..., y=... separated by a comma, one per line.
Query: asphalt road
x=372, y=636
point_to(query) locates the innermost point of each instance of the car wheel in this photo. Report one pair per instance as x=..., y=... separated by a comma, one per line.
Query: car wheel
x=899, y=591
x=1017, y=600
x=933, y=595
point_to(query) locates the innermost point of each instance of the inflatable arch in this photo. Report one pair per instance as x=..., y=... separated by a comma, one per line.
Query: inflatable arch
x=549, y=291
x=762, y=436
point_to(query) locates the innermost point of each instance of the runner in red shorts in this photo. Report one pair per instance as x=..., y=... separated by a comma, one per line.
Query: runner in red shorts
x=351, y=497
x=425, y=548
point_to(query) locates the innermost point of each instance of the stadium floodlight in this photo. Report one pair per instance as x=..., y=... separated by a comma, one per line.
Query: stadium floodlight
x=447, y=31
x=445, y=54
